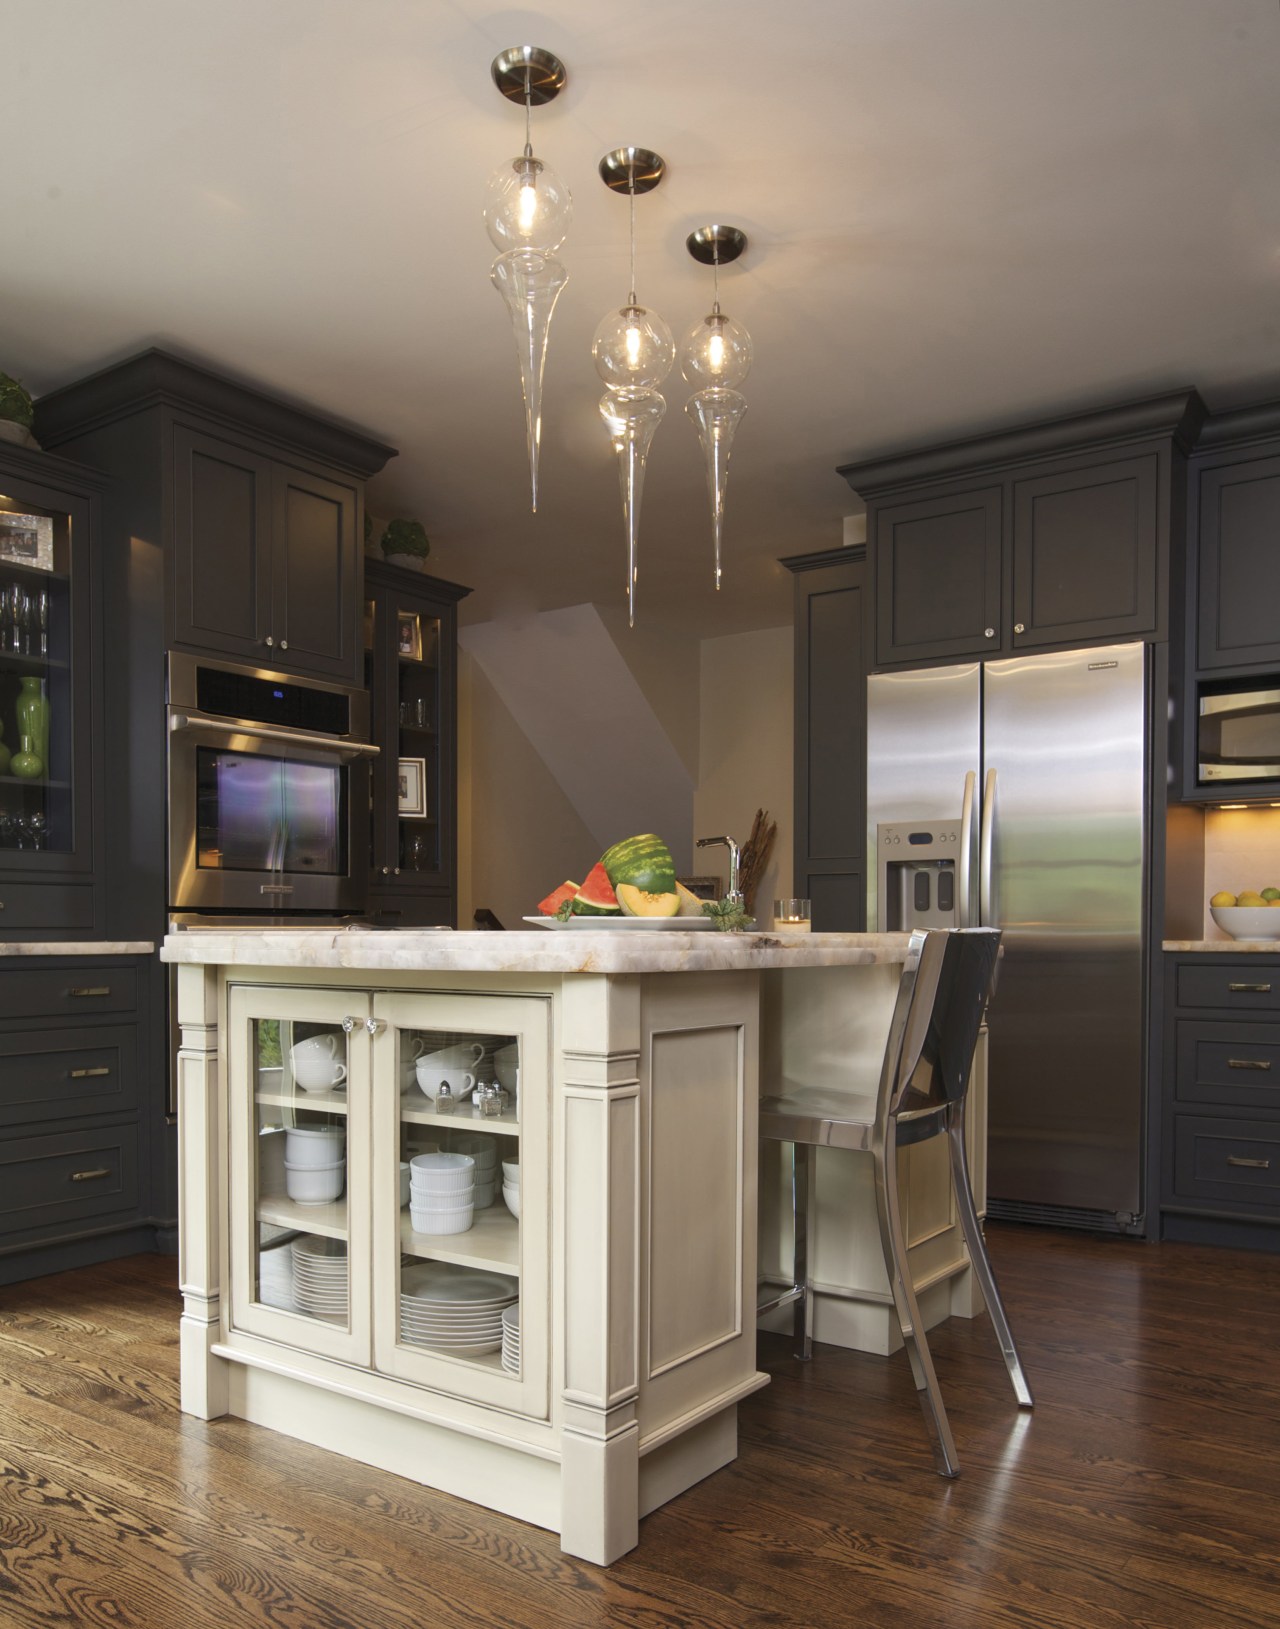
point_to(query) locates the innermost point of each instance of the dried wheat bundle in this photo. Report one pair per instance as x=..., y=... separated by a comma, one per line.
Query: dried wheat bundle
x=755, y=857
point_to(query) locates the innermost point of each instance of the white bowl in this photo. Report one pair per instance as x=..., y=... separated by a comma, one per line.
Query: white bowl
x=404, y=1183
x=511, y=1197
x=314, y=1145
x=506, y=1065
x=443, y=1171
x=314, y=1184
x=440, y=1201
x=511, y=1171
x=1248, y=921
x=441, y=1221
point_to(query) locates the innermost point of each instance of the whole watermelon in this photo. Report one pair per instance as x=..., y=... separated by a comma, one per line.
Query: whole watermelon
x=644, y=862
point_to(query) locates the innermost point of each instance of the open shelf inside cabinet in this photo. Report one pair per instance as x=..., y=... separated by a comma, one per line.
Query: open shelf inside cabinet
x=329, y=1220
x=282, y=1096
x=423, y=1113
x=491, y=1242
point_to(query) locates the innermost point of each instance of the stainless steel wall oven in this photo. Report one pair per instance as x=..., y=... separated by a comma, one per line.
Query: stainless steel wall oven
x=268, y=792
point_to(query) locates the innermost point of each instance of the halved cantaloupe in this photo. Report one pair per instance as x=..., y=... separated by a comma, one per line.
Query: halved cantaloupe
x=635, y=902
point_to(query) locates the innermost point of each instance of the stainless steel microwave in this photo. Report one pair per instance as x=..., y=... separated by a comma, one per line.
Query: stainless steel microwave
x=1238, y=734
x=268, y=791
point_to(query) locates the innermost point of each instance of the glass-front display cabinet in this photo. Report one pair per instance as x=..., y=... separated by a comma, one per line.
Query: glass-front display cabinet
x=410, y=636
x=50, y=751
x=388, y=1179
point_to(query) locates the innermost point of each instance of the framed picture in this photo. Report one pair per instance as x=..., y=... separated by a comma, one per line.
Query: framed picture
x=413, y=789
x=27, y=540
x=702, y=887
x=409, y=636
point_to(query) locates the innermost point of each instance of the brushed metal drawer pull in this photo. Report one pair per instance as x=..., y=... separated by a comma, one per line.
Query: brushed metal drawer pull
x=1249, y=989
x=90, y=990
x=1253, y=1165
x=85, y=1176
x=1248, y=1063
x=88, y=1074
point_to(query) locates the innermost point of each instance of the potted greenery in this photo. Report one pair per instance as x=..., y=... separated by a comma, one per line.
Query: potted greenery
x=405, y=543
x=16, y=412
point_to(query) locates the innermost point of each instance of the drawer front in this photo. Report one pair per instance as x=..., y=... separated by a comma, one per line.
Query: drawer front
x=68, y=1178
x=56, y=906
x=82, y=991
x=1250, y=984
x=1229, y=1065
x=1231, y=1164
x=68, y=1074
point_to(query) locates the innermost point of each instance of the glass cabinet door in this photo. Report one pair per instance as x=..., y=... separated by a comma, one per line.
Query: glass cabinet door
x=298, y=1082
x=43, y=635
x=460, y=1189
x=417, y=703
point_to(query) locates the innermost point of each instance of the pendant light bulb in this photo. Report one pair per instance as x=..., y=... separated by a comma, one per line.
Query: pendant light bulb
x=528, y=206
x=716, y=353
x=633, y=349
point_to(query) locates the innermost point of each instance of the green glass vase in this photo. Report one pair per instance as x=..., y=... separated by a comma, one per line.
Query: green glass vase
x=32, y=712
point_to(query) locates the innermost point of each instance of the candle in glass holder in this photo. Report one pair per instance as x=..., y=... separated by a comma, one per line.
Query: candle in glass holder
x=791, y=915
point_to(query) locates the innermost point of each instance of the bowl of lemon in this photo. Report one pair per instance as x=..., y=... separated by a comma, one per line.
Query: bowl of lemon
x=1248, y=915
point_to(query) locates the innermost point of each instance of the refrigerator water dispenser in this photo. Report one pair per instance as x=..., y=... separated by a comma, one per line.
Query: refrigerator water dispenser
x=917, y=882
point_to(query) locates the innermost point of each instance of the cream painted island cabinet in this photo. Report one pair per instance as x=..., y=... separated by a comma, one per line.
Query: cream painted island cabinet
x=576, y=1354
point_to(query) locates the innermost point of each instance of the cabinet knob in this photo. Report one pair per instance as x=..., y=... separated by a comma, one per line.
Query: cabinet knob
x=268, y=641
x=1019, y=627
x=386, y=871
x=989, y=632
x=284, y=644
x=397, y=871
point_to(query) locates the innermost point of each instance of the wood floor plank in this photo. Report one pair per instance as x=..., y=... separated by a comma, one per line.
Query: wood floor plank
x=1139, y=1495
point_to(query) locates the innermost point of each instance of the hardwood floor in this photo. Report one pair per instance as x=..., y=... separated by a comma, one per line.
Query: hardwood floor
x=1142, y=1492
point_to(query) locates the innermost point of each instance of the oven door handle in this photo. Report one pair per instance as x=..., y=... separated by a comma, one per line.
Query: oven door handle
x=334, y=745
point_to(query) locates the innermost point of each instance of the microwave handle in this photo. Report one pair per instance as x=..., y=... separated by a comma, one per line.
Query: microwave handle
x=266, y=732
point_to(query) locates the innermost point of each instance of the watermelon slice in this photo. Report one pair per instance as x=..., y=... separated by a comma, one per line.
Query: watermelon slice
x=596, y=896
x=556, y=898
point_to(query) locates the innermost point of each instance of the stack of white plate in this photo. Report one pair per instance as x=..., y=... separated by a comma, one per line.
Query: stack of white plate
x=484, y=1151
x=511, y=1339
x=442, y=1192
x=454, y=1309
x=320, y=1276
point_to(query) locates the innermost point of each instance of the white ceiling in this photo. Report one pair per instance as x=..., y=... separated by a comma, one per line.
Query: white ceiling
x=961, y=213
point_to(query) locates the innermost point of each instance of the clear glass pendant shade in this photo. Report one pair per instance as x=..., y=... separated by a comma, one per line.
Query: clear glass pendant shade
x=527, y=206
x=633, y=349
x=716, y=353
x=631, y=418
x=716, y=414
x=530, y=284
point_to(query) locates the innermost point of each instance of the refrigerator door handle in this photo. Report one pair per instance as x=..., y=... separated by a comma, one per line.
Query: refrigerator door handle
x=964, y=881
x=984, y=856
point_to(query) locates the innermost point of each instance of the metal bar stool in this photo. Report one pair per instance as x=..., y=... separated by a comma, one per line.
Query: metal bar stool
x=946, y=982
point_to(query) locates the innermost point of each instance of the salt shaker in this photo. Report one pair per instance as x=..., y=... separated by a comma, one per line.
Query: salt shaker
x=446, y=1102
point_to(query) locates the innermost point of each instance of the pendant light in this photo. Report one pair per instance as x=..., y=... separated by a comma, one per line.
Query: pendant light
x=633, y=351
x=527, y=213
x=716, y=355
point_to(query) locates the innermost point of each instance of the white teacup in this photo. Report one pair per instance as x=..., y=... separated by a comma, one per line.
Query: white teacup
x=316, y=1065
x=506, y=1065
x=461, y=1081
x=411, y=1049
x=456, y=1064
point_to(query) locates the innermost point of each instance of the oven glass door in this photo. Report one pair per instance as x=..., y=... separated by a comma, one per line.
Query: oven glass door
x=265, y=814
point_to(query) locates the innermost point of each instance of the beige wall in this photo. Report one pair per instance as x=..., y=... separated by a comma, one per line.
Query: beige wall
x=745, y=755
x=726, y=705
x=1241, y=850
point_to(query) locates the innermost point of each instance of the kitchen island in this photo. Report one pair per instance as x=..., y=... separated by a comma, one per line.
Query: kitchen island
x=574, y=1357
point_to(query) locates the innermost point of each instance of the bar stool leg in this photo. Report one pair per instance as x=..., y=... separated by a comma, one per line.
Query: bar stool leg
x=802, y=1326
x=894, y=1242
x=978, y=1257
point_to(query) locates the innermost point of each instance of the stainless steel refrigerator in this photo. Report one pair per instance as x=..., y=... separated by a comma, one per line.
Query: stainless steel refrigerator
x=1013, y=793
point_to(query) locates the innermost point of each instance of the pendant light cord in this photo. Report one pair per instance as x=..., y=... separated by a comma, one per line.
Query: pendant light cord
x=528, y=115
x=631, y=193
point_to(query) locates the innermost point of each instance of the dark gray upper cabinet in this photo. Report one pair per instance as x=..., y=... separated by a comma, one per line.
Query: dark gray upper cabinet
x=259, y=508
x=1235, y=541
x=829, y=864
x=1048, y=536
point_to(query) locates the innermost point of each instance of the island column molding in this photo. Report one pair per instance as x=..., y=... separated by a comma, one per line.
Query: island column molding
x=599, y=1143
x=200, y=1112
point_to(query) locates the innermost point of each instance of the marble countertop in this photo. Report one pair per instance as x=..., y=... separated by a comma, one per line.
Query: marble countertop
x=78, y=947
x=539, y=950
x=1228, y=947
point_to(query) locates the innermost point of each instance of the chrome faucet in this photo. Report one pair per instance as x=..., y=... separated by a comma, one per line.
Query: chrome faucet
x=734, y=894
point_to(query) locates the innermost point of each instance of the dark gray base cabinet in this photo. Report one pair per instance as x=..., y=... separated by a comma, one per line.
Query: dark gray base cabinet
x=78, y=1109
x=1053, y=536
x=829, y=863
x=1221, y=1102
